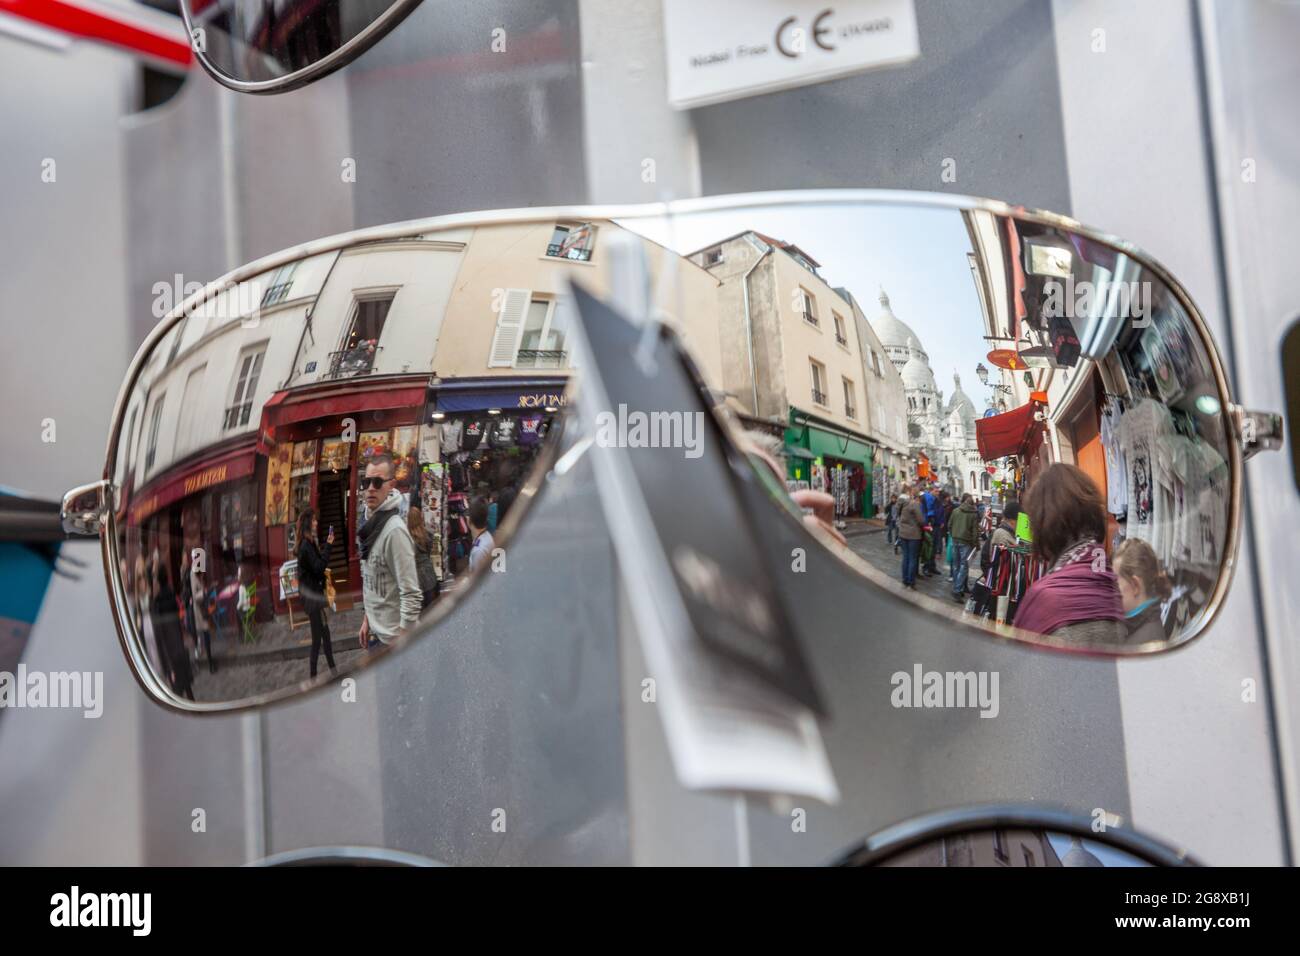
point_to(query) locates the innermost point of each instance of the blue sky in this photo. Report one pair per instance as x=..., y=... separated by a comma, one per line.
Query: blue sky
x=918, y=254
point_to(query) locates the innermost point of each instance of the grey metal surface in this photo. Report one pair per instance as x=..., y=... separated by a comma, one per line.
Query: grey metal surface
x=983, y=94
x=442, y=122
x=1252, y=74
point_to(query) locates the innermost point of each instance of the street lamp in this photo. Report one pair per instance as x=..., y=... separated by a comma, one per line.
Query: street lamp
x=982, y=373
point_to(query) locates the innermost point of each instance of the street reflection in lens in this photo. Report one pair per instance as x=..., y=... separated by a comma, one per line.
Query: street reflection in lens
x=999, y=418
x=318, y=457
x=314, y=459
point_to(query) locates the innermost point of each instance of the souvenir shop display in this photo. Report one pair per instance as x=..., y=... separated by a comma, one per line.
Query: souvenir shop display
x=483, y=456
x=997, y=592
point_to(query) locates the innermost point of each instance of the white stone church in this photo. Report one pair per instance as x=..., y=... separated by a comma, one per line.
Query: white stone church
x=944, y=432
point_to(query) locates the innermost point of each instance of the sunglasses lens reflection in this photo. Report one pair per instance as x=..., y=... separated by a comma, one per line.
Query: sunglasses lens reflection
x=294, y=503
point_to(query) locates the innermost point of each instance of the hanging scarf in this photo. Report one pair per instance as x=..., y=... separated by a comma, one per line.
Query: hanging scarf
x=1071, y=593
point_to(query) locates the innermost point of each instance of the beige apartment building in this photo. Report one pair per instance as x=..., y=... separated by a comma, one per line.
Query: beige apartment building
x=502, y=317
x=796, y=358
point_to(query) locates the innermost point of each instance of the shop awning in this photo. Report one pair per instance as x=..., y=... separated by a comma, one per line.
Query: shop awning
x=795, y=451
x=479, y=394
x=1004, y=435
x=171, y=486
x=286, y=408
x=290, y=406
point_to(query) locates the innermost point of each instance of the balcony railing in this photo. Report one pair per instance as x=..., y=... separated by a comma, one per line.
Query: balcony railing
x=237, y=415
x=841, y=339
x=556, y=250
x=819, y=397
x=540, y=358
x=349, y=363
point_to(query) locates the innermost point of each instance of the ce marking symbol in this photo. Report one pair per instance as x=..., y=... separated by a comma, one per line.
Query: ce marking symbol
x=818, y=31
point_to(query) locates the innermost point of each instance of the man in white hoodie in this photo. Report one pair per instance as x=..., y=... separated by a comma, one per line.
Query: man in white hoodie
x=389, y=581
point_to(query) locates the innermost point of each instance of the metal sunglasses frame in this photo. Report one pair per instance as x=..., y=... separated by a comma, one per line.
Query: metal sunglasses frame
x=912, y=834
x=345, y=54
x=91, y=509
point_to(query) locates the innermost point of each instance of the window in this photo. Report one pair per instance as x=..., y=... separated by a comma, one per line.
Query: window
x=806, y=306
x=278, y=286
x=818, y=372
x=1029, y=856
x=840, y=337
x=247, y=372
x=188, y=426
x=850, y=401
x=875, y=362
x=530, y=332
x=361, y=344
x=572, y=241
x=712, y=257
x=542, y=343
x=1000, y=847
x=151, y=447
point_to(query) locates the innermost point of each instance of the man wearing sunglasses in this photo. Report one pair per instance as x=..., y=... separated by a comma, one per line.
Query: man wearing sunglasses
x=389, y=580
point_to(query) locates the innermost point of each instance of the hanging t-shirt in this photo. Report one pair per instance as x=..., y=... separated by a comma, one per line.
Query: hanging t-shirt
x=1205, y=517
x=503, y=433
x=1145, y=435
x=1116, y=471
x=449, y=436
x=472, y=435
x=530, y=429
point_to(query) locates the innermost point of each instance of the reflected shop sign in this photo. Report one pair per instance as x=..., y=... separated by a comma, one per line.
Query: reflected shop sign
x=543, y=400
x=477, y=397
x=186, y=482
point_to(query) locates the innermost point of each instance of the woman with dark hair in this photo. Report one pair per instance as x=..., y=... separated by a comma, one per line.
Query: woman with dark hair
x=1143, y=585
x=1078, y=599
x=312, y=562
x=430, y=587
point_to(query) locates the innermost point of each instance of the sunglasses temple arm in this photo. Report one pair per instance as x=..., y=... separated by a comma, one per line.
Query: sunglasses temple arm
x=30, y=520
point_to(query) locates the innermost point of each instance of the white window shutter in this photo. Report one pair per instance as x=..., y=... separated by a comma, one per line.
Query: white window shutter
x=510, y=326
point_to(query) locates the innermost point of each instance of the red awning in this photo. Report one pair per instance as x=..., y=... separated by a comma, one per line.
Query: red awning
x=171, y=486
x=289, y=406
x=286, y=408
x=1004, y=435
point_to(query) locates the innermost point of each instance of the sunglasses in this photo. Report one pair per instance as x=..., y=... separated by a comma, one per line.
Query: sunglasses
x=374, y=482
x=232, y=41
x=805, y=331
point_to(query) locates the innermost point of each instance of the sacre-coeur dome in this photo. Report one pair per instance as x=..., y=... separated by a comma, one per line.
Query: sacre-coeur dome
x=892, y=331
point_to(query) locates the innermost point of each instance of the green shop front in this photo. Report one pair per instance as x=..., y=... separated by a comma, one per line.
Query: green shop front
x=824, y=456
